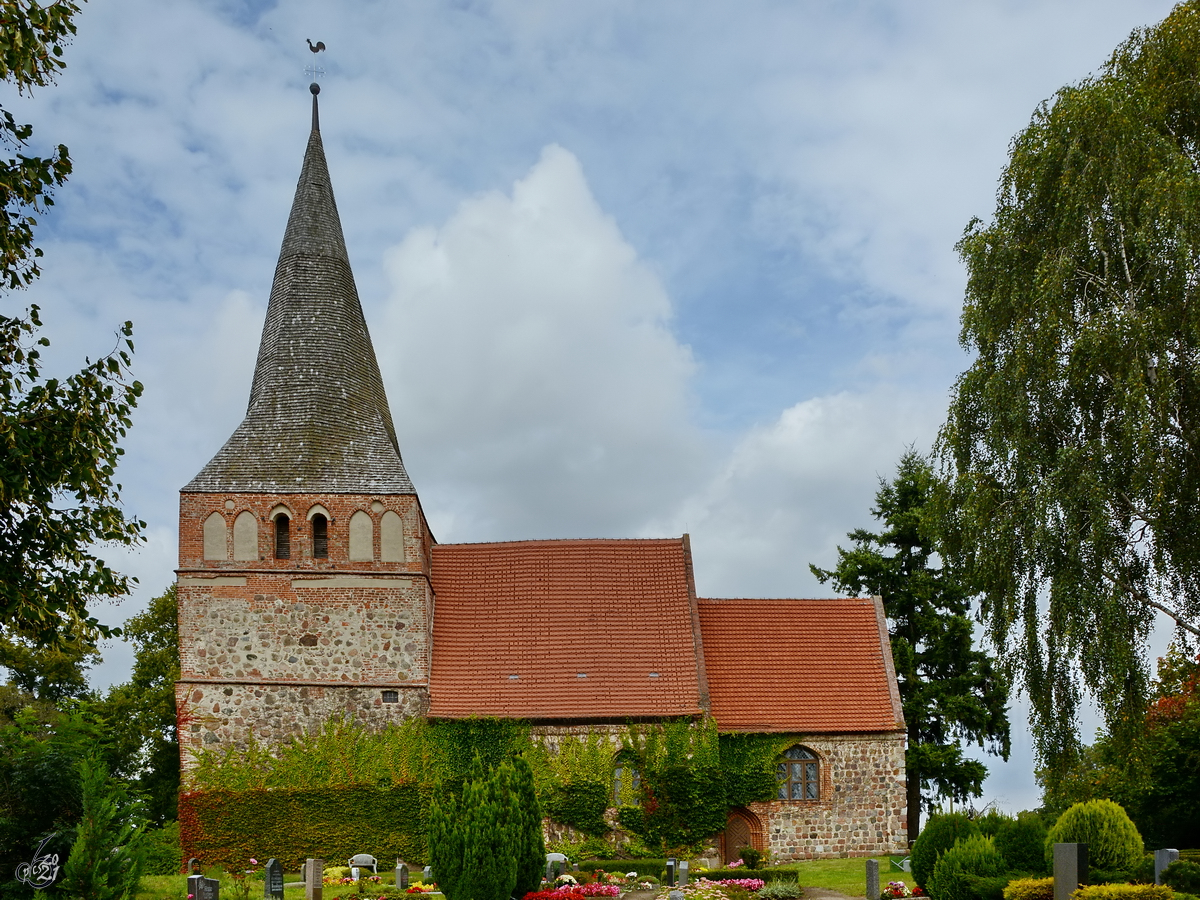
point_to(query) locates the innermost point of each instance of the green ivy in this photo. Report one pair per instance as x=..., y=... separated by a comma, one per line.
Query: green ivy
x=748, y=766
x=690, y=776
x=228, y=828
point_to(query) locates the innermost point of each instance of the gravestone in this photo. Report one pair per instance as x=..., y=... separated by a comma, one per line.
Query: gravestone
x=427, y=874
x=671, y=863
x=273, y=879
x=1070, y=869
x=314, y=873
x=193, y=864
x=202, y=888
x=1162, y=859
x=675, y=895
x=556, y=864
x=401, y=875
x=872, y=879
x=683, y=873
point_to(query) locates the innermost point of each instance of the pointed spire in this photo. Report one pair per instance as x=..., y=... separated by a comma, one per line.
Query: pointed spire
x=318, y=418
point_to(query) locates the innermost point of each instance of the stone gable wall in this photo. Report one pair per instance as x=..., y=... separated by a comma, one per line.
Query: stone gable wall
x=863, y=807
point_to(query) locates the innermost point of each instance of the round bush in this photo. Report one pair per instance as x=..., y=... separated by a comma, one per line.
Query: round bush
x=1113, y=840
x=1182, y=875
x=974, y=855
x=938, y=836
x=1022, y=843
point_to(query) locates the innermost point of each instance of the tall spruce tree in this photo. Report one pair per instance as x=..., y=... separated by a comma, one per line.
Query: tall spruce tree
x=950, y=691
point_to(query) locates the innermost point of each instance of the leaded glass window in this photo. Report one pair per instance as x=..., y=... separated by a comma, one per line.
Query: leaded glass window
x=798, y=772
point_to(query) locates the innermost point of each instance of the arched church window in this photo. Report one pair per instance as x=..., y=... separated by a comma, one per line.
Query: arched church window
x=283, y=536
x=799, y=773
x=320, y=536
x=214, y=537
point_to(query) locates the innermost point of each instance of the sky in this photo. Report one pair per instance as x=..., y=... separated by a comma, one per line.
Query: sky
x=631, y=269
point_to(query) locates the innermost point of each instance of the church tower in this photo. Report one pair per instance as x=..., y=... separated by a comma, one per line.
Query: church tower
x=304, y=556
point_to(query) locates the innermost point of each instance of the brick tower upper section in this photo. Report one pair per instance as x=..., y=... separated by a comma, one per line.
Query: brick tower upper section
x=304, y=556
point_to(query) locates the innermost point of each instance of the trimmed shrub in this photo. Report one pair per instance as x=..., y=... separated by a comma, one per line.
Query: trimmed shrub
x=1111, y=876
x=1029, y=889
x=1183, y=875
x=1114, y=843
x=225, y=828
x=162, y=853
x=938, y=836
x=750, y=856
x=1022, y=843
x=985, y=887
x=641, y=866
x=974, y=855
x=782, y=890
x=1123, y=892
x=990, y=823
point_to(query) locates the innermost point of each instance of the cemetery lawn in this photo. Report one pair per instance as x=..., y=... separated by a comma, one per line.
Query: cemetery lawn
x=174, y=887
x=846, y=876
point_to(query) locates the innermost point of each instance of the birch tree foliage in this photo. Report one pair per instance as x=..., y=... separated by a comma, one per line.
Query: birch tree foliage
x=1071, y=451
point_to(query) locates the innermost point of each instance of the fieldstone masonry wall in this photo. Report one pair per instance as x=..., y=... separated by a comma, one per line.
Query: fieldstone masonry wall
x=862, y=810
x=219, y=716
x=277, y=646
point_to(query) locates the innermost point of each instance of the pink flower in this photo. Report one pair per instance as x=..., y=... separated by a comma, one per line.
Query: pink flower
x=253, y=861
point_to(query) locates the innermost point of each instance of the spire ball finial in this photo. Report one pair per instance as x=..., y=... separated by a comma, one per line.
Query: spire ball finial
x=314, y=88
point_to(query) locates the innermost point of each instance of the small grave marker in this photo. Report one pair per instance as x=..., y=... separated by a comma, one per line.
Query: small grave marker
x=1162, y=859
x=202, y=888
x=872, y=879
x=314, y=872
x=1070, y=869
x=401, y=874
x=193, y=864
x=683, y=873
x=273, y=879
x=671, y=863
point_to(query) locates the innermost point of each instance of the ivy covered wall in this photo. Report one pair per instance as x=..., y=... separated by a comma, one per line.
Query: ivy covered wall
x=348, y=788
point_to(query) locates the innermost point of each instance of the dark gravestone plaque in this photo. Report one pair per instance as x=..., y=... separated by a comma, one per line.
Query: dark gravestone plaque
x=202, y=888
x=273, y=879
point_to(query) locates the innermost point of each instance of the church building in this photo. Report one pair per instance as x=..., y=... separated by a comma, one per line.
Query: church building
x=310, y=585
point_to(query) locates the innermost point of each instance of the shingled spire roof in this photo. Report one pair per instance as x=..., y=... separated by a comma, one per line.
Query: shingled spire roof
x=318, y=419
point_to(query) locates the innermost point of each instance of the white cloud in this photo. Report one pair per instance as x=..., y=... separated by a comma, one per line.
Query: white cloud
x=533, y=375
x=792, y=490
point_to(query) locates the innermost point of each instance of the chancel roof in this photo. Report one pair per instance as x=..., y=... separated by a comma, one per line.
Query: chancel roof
x=318, y=418
x=565, y=630
x=800, y=665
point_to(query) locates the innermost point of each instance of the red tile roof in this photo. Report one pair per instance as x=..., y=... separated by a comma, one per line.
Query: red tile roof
x=799, y=665
x=547, y=612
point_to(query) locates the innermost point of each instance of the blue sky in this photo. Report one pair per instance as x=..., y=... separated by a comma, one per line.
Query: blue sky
x=631, y=269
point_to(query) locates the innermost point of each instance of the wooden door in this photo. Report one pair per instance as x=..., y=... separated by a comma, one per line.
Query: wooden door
x=740, y=831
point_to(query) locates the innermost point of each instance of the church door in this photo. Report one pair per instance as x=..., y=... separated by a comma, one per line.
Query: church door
x=742, y=829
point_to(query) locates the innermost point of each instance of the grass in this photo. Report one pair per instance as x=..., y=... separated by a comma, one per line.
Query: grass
x=847, y=876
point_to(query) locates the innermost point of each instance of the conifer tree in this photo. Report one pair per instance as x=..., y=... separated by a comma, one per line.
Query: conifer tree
x=529, y=842
x=106, y=859
x=950, y=691
x=445, y=841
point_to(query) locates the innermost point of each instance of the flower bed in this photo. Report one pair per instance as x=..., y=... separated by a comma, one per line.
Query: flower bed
x=574, y=891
